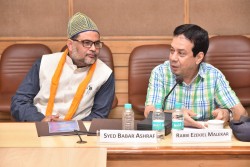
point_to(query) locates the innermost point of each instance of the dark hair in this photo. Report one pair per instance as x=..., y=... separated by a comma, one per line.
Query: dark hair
x=197, y=35
x=75, y=36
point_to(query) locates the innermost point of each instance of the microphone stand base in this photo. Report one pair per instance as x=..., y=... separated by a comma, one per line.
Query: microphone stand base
x=81, y=142
x=146, y=124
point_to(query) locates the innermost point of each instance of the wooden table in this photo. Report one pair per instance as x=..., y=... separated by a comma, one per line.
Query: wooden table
x=165, y=153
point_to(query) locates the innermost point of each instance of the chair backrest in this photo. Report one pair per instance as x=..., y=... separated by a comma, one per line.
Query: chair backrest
x=107, y=57
x=142, y=60
x=231, y=55
x=16, y=61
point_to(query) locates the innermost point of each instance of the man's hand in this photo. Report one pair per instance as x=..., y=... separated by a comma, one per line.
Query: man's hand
x=221, y=114
x=148, y=109
x=189, y=121
x=52, y=118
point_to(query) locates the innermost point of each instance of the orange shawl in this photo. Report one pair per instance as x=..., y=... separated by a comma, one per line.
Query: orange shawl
x=79, y=93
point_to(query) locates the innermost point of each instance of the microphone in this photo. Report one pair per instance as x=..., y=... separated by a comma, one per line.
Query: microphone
x=178, y=80
x=80, y=141
x=146, y=124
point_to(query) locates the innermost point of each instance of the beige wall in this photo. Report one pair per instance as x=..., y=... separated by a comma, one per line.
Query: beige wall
x=221, y=17
x=48, y=18
x=124, y=24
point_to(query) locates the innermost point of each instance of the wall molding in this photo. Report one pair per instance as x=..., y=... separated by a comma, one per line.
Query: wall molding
x=104, y=38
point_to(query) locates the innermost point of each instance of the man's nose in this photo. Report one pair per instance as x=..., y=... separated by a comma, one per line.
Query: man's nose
x=174, y=56
x=93, y=48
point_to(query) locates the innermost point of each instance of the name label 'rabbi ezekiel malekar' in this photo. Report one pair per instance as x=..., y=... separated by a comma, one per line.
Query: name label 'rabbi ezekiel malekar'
x=137, y=135
x=208, y=134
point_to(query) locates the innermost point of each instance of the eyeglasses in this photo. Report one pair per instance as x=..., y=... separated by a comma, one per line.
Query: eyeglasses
x=88, y=43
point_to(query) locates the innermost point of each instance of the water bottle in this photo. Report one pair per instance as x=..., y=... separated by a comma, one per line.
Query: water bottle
x=158, y=119
x=128, y=118
x=177, y=117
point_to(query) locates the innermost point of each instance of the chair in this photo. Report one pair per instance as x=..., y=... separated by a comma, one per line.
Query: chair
x=231, y=55
x=142, y=60
x=16, y=61
x=107, y=57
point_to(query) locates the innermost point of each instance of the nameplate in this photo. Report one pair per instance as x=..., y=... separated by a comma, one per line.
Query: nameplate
x=201, y=135
x=63, y=126
x=127, y=136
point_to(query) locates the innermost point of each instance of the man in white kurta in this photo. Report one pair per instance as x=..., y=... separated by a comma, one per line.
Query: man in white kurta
x=30, y=103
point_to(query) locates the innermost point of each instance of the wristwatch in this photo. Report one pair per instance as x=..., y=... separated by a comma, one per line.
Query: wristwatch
x=230, y=113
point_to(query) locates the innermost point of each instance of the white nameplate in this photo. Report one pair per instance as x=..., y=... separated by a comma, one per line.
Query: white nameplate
x=127, y=136
x=201, y=135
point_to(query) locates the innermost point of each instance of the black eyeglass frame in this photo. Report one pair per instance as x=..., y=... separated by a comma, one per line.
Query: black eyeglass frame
x=88, y=43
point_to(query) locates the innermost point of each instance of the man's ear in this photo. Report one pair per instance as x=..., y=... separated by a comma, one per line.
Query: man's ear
x=199, y=57
x=69, y=44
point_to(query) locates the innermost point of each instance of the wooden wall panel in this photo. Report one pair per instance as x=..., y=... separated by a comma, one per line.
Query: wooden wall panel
x=121, y=86
x=5, y=117
x=126, y=46
x=121, y=73
x=123, y=98
x=46, y=18
x=133, y=17
x=221, y=17
x=121, y=60
x=31, y=18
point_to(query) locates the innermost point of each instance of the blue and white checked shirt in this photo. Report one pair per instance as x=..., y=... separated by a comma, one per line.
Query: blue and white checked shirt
x=208, y=91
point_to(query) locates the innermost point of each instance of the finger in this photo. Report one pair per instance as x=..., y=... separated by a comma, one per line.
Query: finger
x=220, y=115
x=191, y=113
x=225, y=116
x=192, y=123
x=205, y=124
x=46, y=119
x=57, y=115
x=147, y=110
x=215, y=113
x=56, y=119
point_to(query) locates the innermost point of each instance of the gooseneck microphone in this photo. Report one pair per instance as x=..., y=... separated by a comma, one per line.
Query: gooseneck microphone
x=178, y=80
x=80, y=141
